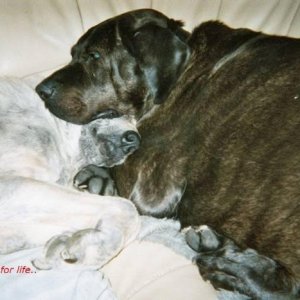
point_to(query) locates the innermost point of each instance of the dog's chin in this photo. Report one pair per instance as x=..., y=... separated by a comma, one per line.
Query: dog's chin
x=102, y=159
x=111, y=162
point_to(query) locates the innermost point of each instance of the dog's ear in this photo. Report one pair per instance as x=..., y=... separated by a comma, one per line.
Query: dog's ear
x=159, y=45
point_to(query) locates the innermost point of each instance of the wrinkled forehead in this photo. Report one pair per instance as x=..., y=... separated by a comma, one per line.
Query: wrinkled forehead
x=105, y=34
x=113, y=126
x=102, y=36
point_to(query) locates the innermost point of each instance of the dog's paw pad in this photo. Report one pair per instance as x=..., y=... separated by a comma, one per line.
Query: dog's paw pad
x=95, y=180
x=202, y=239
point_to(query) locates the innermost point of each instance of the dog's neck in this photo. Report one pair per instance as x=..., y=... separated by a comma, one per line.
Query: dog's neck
x=70, y=153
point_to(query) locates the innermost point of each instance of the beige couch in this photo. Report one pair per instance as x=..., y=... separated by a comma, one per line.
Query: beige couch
x=35, y=38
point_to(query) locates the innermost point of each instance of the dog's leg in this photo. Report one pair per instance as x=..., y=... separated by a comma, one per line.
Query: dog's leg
x=34, y=211
x=227, y=266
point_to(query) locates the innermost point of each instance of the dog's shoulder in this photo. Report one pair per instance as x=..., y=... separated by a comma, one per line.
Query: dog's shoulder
x=213, y=41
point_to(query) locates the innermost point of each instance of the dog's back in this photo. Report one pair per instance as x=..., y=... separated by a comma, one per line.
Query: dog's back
x=246, y=175
x=230, y=131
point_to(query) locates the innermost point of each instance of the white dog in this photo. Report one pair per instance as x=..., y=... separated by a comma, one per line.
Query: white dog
x=39, y=156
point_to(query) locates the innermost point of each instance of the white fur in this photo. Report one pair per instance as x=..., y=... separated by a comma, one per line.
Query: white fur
x=39, y=155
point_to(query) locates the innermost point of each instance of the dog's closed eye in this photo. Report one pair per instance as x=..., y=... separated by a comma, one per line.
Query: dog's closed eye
x=94, y=55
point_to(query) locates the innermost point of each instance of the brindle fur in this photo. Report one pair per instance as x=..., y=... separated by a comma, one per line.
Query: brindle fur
x=233, y=136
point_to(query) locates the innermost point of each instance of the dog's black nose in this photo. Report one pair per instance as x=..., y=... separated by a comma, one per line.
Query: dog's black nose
x=130, y=141
x=46, y=89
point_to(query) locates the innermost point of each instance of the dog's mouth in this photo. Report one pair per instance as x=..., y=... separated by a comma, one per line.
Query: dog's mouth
x=107, y=114
x=70, y=109
x=109, y=151
x=117, y=148
x=109, y=141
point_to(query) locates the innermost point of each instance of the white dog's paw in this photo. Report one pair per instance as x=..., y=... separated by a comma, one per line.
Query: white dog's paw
x=87, y=248
x=96, y=180
x=51, y=256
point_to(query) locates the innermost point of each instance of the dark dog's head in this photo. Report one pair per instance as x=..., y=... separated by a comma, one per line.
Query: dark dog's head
x=121, y=66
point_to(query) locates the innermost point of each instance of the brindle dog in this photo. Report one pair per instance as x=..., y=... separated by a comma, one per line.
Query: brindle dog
x=223, y=147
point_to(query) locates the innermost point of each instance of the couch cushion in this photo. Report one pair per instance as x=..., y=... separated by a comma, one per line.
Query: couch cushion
x=146, y=270
x=37, y=35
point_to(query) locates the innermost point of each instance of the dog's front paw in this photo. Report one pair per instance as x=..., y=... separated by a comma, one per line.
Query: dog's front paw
x=229, y=267
x=96, y=180
x=89, y=248
x=203, y=238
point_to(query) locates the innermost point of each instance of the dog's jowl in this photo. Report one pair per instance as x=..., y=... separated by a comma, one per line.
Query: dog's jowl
x=222, y=148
